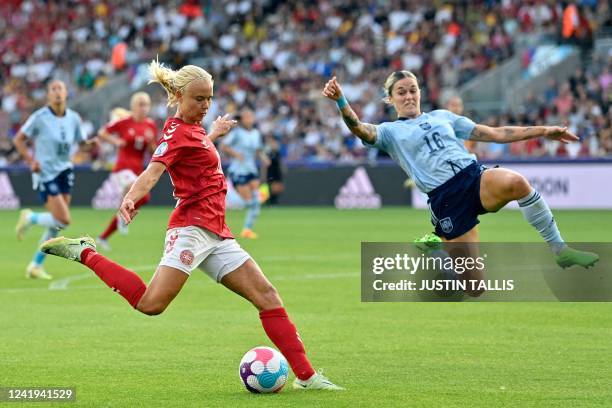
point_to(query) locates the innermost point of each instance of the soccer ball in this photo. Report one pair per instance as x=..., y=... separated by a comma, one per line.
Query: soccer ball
x=263, y=370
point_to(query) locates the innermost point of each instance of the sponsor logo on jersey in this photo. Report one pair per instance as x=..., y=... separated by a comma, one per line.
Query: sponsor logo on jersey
x=161, y=149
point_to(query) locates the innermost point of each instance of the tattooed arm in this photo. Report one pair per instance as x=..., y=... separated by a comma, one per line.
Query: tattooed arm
x=364, y=131
x=509, y=134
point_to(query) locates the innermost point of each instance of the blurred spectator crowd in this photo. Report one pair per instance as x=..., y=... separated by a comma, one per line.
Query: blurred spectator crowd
x=274, y=56
x=582, y=103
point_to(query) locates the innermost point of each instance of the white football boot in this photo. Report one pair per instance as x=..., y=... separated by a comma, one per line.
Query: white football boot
x=102, y=243
x=35, y=271
x=317, y=382
x=23, y=223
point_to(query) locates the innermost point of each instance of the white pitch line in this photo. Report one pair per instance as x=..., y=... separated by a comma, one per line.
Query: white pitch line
x=64, y=286
x=305, y=258
x=64, y=283
x=314, y=276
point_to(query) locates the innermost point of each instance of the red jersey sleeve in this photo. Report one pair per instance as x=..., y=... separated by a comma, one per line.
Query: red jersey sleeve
x=170, y=144
x=115, y=127
x=167, y=152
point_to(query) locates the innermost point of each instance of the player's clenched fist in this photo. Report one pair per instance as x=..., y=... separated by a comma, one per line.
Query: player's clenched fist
x=332, y=89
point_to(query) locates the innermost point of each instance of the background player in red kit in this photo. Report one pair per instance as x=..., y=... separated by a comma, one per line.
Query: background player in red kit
x=197, y=235
x=134, y=135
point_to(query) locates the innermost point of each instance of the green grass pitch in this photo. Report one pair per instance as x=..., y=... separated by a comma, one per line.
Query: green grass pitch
x=401, y=354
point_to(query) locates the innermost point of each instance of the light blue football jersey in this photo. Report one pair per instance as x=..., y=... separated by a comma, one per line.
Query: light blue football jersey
x=53, y=136
x=428, y=148
x=245, y=142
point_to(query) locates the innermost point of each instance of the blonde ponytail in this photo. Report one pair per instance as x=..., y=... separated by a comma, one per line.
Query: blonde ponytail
x=174, y=81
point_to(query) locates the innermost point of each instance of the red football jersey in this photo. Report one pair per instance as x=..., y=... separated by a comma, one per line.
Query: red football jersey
x=137, y=136
x=194, y=166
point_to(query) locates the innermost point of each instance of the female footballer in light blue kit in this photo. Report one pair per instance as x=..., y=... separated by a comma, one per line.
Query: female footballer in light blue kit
x=244, y=146
x=54, y=130
x=429, y=147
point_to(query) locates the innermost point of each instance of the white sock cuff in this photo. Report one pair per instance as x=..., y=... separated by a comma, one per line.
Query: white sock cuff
x=529, y=199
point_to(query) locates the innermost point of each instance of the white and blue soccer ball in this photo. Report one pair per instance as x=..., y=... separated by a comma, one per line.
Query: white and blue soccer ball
x=263, y=370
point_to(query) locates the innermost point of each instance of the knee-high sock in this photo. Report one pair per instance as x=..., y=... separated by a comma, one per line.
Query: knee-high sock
x=252, y=210
x=45, y=219
x=112, y=225
x=49, y=233
x=121, y=280
x=538, y=214
x=284, y=335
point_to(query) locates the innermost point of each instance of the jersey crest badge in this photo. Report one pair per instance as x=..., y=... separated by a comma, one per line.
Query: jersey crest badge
x=425, y=126
x=446, y=224
x=186, y=257
x=161, y=149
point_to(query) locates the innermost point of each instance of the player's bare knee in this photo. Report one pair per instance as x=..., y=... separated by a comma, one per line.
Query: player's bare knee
x=519, y=186
x=151, y=309
x=64, y=220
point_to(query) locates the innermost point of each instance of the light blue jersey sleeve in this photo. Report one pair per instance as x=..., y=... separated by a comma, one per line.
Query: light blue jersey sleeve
x=247, y=143
x=260, y=144
x=31, y=128
x=383, y=136
x=80, y=136
x=462, y=126
x=229, y=139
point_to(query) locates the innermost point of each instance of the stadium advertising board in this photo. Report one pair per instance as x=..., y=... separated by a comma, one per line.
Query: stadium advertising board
x=563, y=186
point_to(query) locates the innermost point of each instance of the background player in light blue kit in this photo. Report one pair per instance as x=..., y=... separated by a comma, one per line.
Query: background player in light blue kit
x=54, y=130
x=244, y=146
x=429, y=148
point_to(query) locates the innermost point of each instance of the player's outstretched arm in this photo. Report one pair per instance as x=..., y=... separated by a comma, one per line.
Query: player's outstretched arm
x=364, y=131
x=108, y=137
x=509, y=134
x=143, y=184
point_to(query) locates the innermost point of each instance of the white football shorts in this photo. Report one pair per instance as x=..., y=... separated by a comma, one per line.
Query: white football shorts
x=123, y=179
x=187, y=248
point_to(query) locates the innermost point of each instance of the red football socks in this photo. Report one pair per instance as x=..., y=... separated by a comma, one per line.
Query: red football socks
x=121, y=280
x=112, y=226
x=284, y=335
